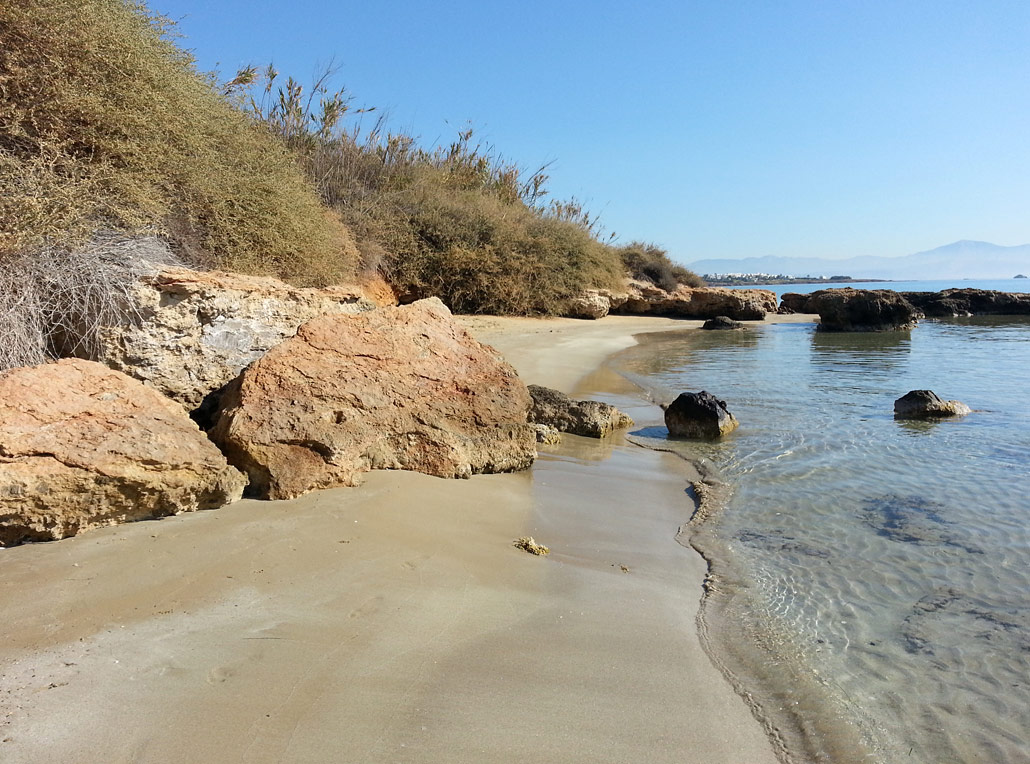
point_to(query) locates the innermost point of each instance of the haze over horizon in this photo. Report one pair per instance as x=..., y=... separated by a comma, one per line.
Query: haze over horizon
x=714, y=130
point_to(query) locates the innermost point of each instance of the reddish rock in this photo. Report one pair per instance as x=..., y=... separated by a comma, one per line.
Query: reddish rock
x=395, y=388
x=197, y=330
x=83, y=446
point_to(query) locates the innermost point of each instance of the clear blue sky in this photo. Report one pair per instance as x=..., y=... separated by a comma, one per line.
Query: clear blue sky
x=715, y=128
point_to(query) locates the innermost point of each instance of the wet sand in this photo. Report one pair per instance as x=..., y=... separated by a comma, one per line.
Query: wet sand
x=394, y=622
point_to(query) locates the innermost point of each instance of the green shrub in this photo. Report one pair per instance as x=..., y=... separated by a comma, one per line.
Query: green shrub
x=106, y=125
x=646, y=262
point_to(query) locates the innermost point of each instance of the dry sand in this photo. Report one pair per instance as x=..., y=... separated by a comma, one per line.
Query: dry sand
x=394, y=622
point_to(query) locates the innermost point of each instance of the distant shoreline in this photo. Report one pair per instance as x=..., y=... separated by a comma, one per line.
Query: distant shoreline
x=776, y=281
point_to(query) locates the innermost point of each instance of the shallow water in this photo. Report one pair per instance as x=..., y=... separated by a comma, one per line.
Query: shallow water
x=873, y=576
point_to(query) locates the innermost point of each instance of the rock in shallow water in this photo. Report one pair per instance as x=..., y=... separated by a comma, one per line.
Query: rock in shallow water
x=592, y=419
x=395, y=388
x=925, y=404
x=82, y=446
x=721, y=323
x=699, y=416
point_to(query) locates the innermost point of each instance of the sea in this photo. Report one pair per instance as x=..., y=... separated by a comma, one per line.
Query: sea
x=869, y=593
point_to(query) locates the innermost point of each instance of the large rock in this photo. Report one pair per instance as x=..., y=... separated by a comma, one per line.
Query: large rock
x=970, y=302
x=592, y=304
x=699, y=416
x=721, y=323
x=793, y=302
x=196, y=331
x=592, y=419
x=926, y=404
x=83, y=446
x=644, y=298
x=395, y=388
x=862, y=310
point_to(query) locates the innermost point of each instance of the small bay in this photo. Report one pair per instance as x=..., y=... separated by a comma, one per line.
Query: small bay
x=872, y=576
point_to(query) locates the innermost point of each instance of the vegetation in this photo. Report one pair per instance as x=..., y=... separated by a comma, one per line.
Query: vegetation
x=110, y=136
x=646, y=262
x=455, y=221
x=106, y=125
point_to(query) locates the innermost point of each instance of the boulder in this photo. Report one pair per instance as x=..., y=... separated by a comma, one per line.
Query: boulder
x=793, y=302
x=644, y=298
x=970, y=302
x=862, y=310
x=925, y=404
x=699, y=416
x=591, y=304
x=196, y=331
x=83, y=446
x=592, y=419
x=722, y=323
x=396, y=388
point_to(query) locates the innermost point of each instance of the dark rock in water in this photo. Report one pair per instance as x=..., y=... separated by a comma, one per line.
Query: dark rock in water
x=699, y=416
x=722, y=322
x=970, y=302
x=922, y=404
x=862, y=310
x=793, y=302
x=590, y=418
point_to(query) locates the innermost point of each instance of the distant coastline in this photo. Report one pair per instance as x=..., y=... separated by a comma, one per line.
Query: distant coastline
x=762, y=279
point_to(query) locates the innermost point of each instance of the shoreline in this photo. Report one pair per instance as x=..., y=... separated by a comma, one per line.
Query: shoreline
x=391, y=622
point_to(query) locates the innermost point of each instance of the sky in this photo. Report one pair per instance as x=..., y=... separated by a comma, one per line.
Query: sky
x=713, y=128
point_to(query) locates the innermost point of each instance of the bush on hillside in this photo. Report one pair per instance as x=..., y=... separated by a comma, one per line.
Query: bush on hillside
x=456, y=221
x=106, y=125
x=646, y=262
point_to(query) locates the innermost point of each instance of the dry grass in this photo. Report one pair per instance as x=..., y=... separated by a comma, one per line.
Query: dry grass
x=55, y=301
x=647, y=262
x=106, y=125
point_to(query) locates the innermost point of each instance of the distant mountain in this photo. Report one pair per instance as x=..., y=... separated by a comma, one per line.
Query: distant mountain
x=961, y=260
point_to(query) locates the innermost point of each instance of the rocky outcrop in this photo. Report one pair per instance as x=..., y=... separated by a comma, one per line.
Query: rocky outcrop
x=83, y=446
x=195, y=331
x=592, y=304
x=970, y=302
x=721, y=323
x=592, y=419
x=862, y=310
x=792, y=302
x=395, y=388
x=926, y=404
x=644, y=298
x=699, y=416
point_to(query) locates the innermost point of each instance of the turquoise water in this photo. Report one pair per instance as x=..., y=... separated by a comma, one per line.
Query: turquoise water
x=872, y=577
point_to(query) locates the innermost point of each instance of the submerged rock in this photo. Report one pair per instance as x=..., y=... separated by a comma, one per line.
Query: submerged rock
x=699, y=416
x=722, y=323
x=395, y=388
x=923, y=404
x=195, y=331
x=82, y=446
x=590, y=418
x=861, y=310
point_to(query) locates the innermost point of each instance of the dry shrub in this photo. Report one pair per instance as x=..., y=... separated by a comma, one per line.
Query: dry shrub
x=54, y=301
x=106, y=124
x=646, y=262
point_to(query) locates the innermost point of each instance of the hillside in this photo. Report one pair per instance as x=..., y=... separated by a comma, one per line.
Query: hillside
x=959, y=260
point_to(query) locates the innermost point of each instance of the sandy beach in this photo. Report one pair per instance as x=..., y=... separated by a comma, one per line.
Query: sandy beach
x=394, y=622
